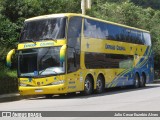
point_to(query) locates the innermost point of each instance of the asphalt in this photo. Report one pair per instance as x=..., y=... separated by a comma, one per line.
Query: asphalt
x=13, y=97
x=16, y=96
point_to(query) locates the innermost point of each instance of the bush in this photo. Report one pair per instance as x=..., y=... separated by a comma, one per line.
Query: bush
x=8, y=80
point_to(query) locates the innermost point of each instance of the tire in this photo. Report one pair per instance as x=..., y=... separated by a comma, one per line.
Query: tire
x=143, y=81
x=136, y=81
x=100, y=85
x=48, y=96
x=88, y=86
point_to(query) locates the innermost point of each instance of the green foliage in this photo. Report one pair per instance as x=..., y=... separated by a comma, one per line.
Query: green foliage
x=8, y=37
x=155, y=4
x=14, y=9
x=8, y=34
x=125, y=13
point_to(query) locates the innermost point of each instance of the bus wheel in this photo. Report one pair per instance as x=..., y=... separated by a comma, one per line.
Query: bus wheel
x=99, y=84
x=48, y=96
x=136, y=81
x=143, y=80
x=88, y=86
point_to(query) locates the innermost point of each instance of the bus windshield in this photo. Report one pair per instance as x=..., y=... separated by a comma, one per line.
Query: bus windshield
x=40, y=62
x=44, y=29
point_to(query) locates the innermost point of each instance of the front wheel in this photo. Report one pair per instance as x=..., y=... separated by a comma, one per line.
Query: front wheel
x=88, y=86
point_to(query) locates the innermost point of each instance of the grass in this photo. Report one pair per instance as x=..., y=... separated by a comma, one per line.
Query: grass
x=7, y=72
x=8, y=80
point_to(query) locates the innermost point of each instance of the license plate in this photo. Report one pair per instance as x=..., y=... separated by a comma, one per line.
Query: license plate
x=38, y=90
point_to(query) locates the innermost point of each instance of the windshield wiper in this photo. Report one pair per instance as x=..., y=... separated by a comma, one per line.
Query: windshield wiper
x=30, y=40
x=48, y=38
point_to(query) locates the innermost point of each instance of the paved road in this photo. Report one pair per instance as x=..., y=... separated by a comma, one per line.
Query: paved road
x=120, y=99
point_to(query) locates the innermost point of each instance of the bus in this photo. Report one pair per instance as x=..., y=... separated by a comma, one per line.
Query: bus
x=68, y=53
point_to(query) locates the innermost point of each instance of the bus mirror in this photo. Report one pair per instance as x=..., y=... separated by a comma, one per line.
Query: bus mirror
x=62, y=53
x=9, y=57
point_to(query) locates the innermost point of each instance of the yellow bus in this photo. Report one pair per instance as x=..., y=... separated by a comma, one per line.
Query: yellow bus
x=68, y=53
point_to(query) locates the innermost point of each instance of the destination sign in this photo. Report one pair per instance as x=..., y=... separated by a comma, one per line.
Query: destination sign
x=43, y=44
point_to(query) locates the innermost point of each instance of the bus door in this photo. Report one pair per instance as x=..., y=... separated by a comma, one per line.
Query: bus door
x=73, y=53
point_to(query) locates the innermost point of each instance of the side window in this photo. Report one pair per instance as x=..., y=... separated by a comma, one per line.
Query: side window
x=134, y=36
x=147, y=39
x=140, y=38
x=73, y=41
x=72, y=57
x=95, y=29
x=102, y=30
x=102, y=60
x=115, y=33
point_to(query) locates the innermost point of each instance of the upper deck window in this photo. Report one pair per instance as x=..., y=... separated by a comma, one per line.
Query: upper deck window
x=108, y=31
x=95, y=29
x=147, y=39
x=44, y=29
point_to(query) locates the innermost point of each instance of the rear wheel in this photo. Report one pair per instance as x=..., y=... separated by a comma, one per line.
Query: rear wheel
x=88, y=86
x=143, y=81
x=136, y=81
x=99, y=84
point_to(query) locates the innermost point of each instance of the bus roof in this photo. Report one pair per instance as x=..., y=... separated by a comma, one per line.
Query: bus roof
x=84, y=16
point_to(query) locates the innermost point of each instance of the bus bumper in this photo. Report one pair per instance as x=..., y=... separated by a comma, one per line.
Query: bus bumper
x=52, y=89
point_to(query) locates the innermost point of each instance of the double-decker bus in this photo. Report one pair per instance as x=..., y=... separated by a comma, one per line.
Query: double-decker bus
x=67, y=53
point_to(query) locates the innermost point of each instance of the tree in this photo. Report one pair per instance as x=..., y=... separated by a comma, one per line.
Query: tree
x=15, y=9
x=155, y=4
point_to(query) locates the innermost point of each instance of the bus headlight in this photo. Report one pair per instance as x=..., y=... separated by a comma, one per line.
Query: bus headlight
x=58, y=82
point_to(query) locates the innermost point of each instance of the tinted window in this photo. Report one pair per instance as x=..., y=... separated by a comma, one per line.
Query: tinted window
x=44, y=29
x=95, y=29
x=73, y=58
x=134, y=36
x=116, y=33
x=147, y=39
x=140, y=38
x=74, y=39
x=101, y=30
x=40, y=61
x=102, y=60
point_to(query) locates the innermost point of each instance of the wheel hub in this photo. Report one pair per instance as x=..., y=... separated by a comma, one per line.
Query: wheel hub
x=87, y=85
x=99, y=84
